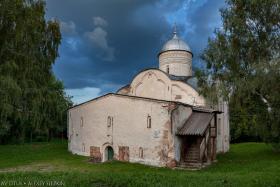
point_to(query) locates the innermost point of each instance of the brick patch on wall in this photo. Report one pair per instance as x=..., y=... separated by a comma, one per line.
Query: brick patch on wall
x=123, y=153
x=95, y=154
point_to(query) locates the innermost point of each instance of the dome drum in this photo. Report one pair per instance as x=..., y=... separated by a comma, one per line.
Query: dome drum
x=176, y=63
x=175, y=57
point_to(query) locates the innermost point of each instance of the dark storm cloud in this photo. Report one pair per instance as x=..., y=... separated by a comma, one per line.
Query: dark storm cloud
x=198, y=20
x=105, y=43
x=204, y=20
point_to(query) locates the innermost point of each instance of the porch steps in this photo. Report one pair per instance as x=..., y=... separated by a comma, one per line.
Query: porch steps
x=191, y=165
x=191, y=159
x=192, y=155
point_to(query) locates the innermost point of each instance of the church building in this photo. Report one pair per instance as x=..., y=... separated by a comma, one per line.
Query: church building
x=158, y=119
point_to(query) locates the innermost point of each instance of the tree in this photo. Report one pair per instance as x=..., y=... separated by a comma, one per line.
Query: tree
x=32, y=100
x=243, y=58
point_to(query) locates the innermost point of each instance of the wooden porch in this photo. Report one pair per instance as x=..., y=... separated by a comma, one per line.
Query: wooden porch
x=198, y=140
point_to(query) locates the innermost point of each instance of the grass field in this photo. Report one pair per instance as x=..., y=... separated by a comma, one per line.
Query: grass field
x=49, y=164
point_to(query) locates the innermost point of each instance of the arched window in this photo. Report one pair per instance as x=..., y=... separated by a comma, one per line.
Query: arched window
x=141, y=155
x=149, y=121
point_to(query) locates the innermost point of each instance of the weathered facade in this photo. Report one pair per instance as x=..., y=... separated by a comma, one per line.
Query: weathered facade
x=158, y=119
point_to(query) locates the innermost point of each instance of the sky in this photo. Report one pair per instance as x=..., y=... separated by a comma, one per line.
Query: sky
x=105, y=43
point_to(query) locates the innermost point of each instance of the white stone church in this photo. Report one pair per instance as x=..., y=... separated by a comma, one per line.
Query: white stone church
x=158, y=119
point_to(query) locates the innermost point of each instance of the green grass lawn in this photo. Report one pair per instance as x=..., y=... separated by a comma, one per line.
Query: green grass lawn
x=247, y=164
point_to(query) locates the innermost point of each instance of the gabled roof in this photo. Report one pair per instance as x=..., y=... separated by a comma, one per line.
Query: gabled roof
x=131, y=97
x=194, y=108
x=196, y=124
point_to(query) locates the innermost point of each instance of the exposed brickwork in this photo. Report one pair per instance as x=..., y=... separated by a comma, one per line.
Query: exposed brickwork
x=123, y=153
x=165, y=134
x=178, y=97
x=171, y=164
x=95, y=154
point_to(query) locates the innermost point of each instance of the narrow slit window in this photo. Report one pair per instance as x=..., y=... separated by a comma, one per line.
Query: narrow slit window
x=84, y=147
x=167, y=69
x=82, y=122
x=141, y=155
x=109, y=121
x=149, y=121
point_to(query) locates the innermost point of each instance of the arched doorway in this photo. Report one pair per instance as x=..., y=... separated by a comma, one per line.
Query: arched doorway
x=109, y=152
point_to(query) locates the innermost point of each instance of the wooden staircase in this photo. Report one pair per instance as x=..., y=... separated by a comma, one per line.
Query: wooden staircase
x=197, y=150
x=192, y=158
x=192, y=154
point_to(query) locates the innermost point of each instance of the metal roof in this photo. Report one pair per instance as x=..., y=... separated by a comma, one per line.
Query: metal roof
x=176, y=44
x=190, y=80
x=196, y=124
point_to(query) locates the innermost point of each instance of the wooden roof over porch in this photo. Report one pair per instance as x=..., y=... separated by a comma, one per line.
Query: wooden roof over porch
x=196, y=124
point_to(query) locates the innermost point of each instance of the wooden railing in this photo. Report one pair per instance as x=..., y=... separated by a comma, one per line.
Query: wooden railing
x=202, y=149
x=203, y=145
